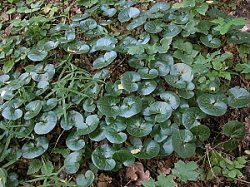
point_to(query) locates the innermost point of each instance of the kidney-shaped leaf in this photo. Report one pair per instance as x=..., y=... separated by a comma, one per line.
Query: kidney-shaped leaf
x=33, y=109
x=131, y=106
x=160, y=6
x=35, y=149
x=12, y=113
x=238, y=97
x=210, y=41
x=46, y=123
x=85, y=180
x=72, y=162
x=191, y=116
x=105, y=43
x=77, y=47
x=37, y=54
x=129, y=81
x=128, y=13
x=181, y=140
x=202, y=132
x=108, y=106
x=147, y=87
x=88, y=24
x=138, y=127
x=172, y=31
x=153, y=27
x=91, y=123
x=212, y=104
x=149, y=150
x=73, y=118
x=124, y=157
x=102, y=157
x=171, y=98
x=74, y=142
x=234, y=129
x=104, y=61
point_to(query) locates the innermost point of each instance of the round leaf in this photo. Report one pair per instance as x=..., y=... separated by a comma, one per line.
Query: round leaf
x=238, y=97
x=149, y=150
x=147, y=87
x=211, y=104
x=74, y=118
x=181, y=143
x=46, y=123
x=131, y=106
x=72, y=162
x=107, y=105
x=202, y=132
x=11, y=113
x=88, y=24
x=210, y=41
x=124, y=157
x=74, y=142
x=33, y=109
x=129, y=81
x=138, y=127
x=102, y=157
x=234, y=129
x=160, y=6
x=153, y=27
x=37, y=54
x=85, y=180
x=32, y=150
x=115, y=137
x=91, y=123
x=171, y=98
x=172, y=31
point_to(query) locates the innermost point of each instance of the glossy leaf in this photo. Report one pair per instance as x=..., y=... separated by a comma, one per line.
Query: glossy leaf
x=102, y=157
x=212, y=104
x=131, y=106
x=35, y=149
x=33, y=109
x=238, y=97
x=234, y=129
x=107, y=105
x=46, y=123
x=85, y=180
x=129, y=81
x=182, y=144
x=72, y=162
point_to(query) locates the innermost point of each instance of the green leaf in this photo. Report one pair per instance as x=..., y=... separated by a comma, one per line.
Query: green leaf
x=77, y=47
x=8, y=65
x=202, y=9
x=131, y=106
x=72, y=119
x=37, y=54
x=102, y=157
x=50, y=104
x=138, y=127
x=110, y=12
x=124, y=157
x=186, y=172
x=147, y=87
x=159, y=7
x=210, y=41
x=33, y=109
x=238, y=97
x=171, y=30
x=136, y=23
x=107, y=105
x=74, y=142
x=72, y=162
x=91, y=123
x=182, y=144
x=34, y=166
x=171, y=98
x=89, y=105
x=88, y=24
x=12, y=113
x=191, y=116
x=128, y=13
x=85, y=180
x=35, y=149
x=3, y=177
x=153, y=27
x=163, y=181
x=212, y=104
x=106, y=43
x=149, y=150
x=115, y=137
x=129, y=81
x=136, y=49
x=104, y=61
x=147, y=73
x=46, y=123
x=234, y=129
x=163, y=64
x=162, y=110
x=202, y=132
x=149, y=183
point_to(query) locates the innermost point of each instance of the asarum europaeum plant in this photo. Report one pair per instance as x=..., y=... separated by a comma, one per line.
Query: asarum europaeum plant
x=175, y=65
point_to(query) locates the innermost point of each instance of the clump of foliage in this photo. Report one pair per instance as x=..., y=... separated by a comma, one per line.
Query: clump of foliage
x=54, y=103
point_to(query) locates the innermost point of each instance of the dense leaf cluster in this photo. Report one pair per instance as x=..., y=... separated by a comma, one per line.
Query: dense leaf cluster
x=176, y=65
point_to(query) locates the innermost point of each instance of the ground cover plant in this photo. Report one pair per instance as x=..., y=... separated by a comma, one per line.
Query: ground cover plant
x=116, y=83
